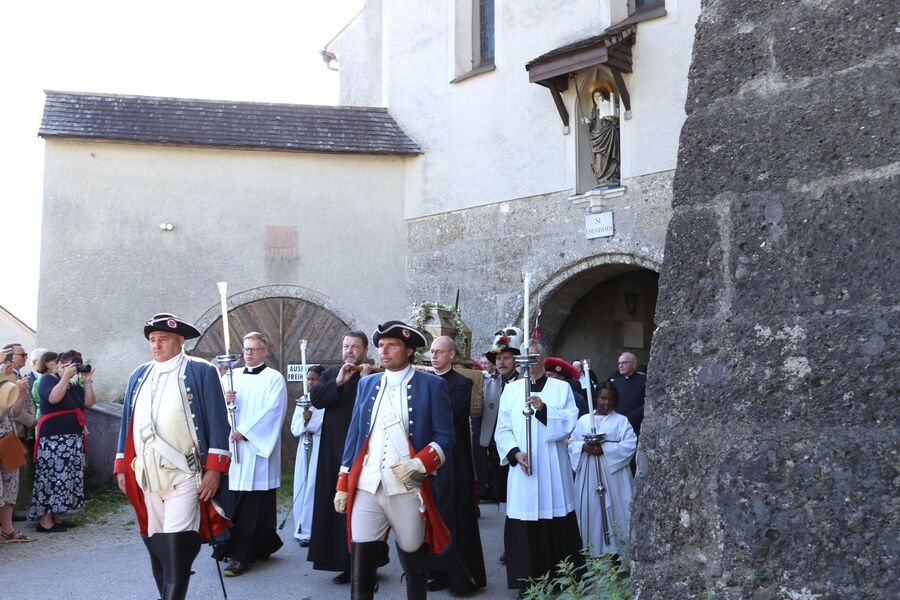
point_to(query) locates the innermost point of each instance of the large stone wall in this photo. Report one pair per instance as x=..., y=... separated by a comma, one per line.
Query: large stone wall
x=767, y=465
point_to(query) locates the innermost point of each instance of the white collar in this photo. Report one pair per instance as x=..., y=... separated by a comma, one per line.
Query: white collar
x=169, y=365
x=450, y=368
x=395, y=378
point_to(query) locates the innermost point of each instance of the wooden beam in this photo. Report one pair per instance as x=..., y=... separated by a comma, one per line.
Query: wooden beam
x=620, y=84
x=560, y=105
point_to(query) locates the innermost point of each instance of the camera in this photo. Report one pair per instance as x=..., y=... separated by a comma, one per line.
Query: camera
x=82, y=368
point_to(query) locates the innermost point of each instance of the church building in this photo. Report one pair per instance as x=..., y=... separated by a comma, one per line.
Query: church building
x=474, y=141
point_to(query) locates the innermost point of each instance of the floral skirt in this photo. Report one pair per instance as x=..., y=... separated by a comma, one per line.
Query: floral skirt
x=58, y=475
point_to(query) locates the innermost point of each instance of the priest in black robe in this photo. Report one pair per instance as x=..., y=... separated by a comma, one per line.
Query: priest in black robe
x=336, y=393
x=461, y=567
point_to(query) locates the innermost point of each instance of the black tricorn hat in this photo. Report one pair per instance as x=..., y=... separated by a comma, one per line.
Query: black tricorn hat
x=501, y=344
x=410, y=336
x=170, y=323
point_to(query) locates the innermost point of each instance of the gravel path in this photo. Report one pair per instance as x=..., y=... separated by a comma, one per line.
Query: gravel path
x=108, y=560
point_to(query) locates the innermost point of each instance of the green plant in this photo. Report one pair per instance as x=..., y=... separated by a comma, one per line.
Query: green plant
x=98, y=504
x=599, y=578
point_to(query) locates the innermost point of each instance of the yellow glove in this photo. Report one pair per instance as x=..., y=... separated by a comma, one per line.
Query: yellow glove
x=410, y=473
x=340, y=502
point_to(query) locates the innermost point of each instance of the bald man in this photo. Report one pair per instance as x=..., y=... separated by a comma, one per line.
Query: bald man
x=630, y=384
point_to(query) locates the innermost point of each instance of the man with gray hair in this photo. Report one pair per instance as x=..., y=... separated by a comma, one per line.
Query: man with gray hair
x=541, y=528
x=630, y=384
x=260, y=395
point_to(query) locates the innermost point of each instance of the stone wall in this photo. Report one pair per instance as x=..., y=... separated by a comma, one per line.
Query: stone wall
x=767, y=465
x=484, y=250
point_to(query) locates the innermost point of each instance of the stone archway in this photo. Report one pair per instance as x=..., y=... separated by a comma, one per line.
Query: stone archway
x=284, y=320
x=585, y=307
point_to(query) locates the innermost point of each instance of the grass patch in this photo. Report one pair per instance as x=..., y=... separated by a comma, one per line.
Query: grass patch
x=285, y=494
x=98, y=505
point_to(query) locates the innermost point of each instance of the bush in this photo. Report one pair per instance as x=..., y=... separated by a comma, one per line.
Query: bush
x=600, y=578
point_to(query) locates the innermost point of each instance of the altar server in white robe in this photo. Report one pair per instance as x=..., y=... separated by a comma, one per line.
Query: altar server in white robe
x=541, y=528
x=261, y=398
x=614, y=457
x=303, y=423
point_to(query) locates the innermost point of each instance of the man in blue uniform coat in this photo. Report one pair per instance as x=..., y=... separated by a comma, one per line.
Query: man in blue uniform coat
x=400, y=433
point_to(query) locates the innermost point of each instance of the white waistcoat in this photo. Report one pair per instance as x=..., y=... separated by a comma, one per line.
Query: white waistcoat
x=159, y=403
x=389, y=430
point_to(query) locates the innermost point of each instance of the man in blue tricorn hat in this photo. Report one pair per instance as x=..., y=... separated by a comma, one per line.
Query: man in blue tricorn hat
x=172, y=451
x=400, y=434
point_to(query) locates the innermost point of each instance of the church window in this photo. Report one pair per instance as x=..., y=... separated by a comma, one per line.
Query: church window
x=474, y=38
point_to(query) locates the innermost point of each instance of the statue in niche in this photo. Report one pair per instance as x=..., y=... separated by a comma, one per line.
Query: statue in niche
x=603, y=125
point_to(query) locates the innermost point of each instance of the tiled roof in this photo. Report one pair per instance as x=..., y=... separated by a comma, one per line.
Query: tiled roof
x=244, y=125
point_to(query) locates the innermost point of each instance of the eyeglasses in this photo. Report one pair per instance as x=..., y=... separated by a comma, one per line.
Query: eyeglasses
x=253, y=350
x=20, y=354
x=625, y=362
x=438, y=351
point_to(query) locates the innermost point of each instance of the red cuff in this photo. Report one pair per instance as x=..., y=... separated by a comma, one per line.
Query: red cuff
x=217, y=462
x=343, y=480
x=430, y=458
x=119, y=466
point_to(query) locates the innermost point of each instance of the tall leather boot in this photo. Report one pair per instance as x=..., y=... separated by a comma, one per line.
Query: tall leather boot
x=364, y=559
x=176, y=552
x=155, y=566
x=413, y=564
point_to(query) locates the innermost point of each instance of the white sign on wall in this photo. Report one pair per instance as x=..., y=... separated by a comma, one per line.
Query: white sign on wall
x=598, y=225
x=295, y=372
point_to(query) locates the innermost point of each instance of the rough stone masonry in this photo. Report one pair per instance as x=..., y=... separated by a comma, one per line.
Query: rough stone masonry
x=768, y=464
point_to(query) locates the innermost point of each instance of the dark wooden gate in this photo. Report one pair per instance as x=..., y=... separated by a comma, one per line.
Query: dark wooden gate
x=284, y=322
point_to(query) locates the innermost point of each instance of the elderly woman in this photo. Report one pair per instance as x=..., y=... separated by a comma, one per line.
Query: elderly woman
x=9, y=477
x=603, y=519
x=59, y=462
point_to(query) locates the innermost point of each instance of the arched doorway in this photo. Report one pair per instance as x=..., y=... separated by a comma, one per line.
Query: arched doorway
x=601, y=311
x=284, y=321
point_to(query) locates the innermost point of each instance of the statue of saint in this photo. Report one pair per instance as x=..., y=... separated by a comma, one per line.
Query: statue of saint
x=604, y=128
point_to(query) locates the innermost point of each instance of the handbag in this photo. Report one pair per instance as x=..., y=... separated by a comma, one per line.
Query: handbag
x=12, y=452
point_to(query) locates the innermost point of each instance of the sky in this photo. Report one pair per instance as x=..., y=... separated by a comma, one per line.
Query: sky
x=267, y=50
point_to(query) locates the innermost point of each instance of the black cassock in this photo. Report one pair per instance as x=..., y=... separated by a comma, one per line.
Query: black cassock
x=328, y=538
x=455, y=494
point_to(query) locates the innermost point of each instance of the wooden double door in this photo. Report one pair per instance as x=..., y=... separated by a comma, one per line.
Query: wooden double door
x=284, y=322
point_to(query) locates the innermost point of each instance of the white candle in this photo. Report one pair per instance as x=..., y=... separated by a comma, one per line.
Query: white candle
x=223, y=294
x=525, y=331
x=303, y=363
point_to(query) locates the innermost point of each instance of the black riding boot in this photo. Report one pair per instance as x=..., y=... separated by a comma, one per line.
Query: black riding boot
x=364, y=559
x=413, y=564
x=155, y=566
x=176, y=552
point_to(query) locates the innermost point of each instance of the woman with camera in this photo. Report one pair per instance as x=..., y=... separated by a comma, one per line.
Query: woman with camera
x=59, y=443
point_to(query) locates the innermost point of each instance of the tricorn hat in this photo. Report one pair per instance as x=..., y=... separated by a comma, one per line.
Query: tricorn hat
x=170, y=323
x=411, y=336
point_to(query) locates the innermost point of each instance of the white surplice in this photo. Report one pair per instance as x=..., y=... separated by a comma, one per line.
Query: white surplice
x=548, y=492
x=616, y=474
x=261, y=406
x=305, y=476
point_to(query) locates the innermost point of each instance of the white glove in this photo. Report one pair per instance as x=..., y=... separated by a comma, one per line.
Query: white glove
x=340, y=502
x=410, y=473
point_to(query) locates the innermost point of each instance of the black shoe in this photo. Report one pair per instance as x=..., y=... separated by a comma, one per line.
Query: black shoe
x=413, y=564
x=53, y=529
x=503, y=558
x=304, y=543
x=235, y=569
x=438, y=583
x=342, y=578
